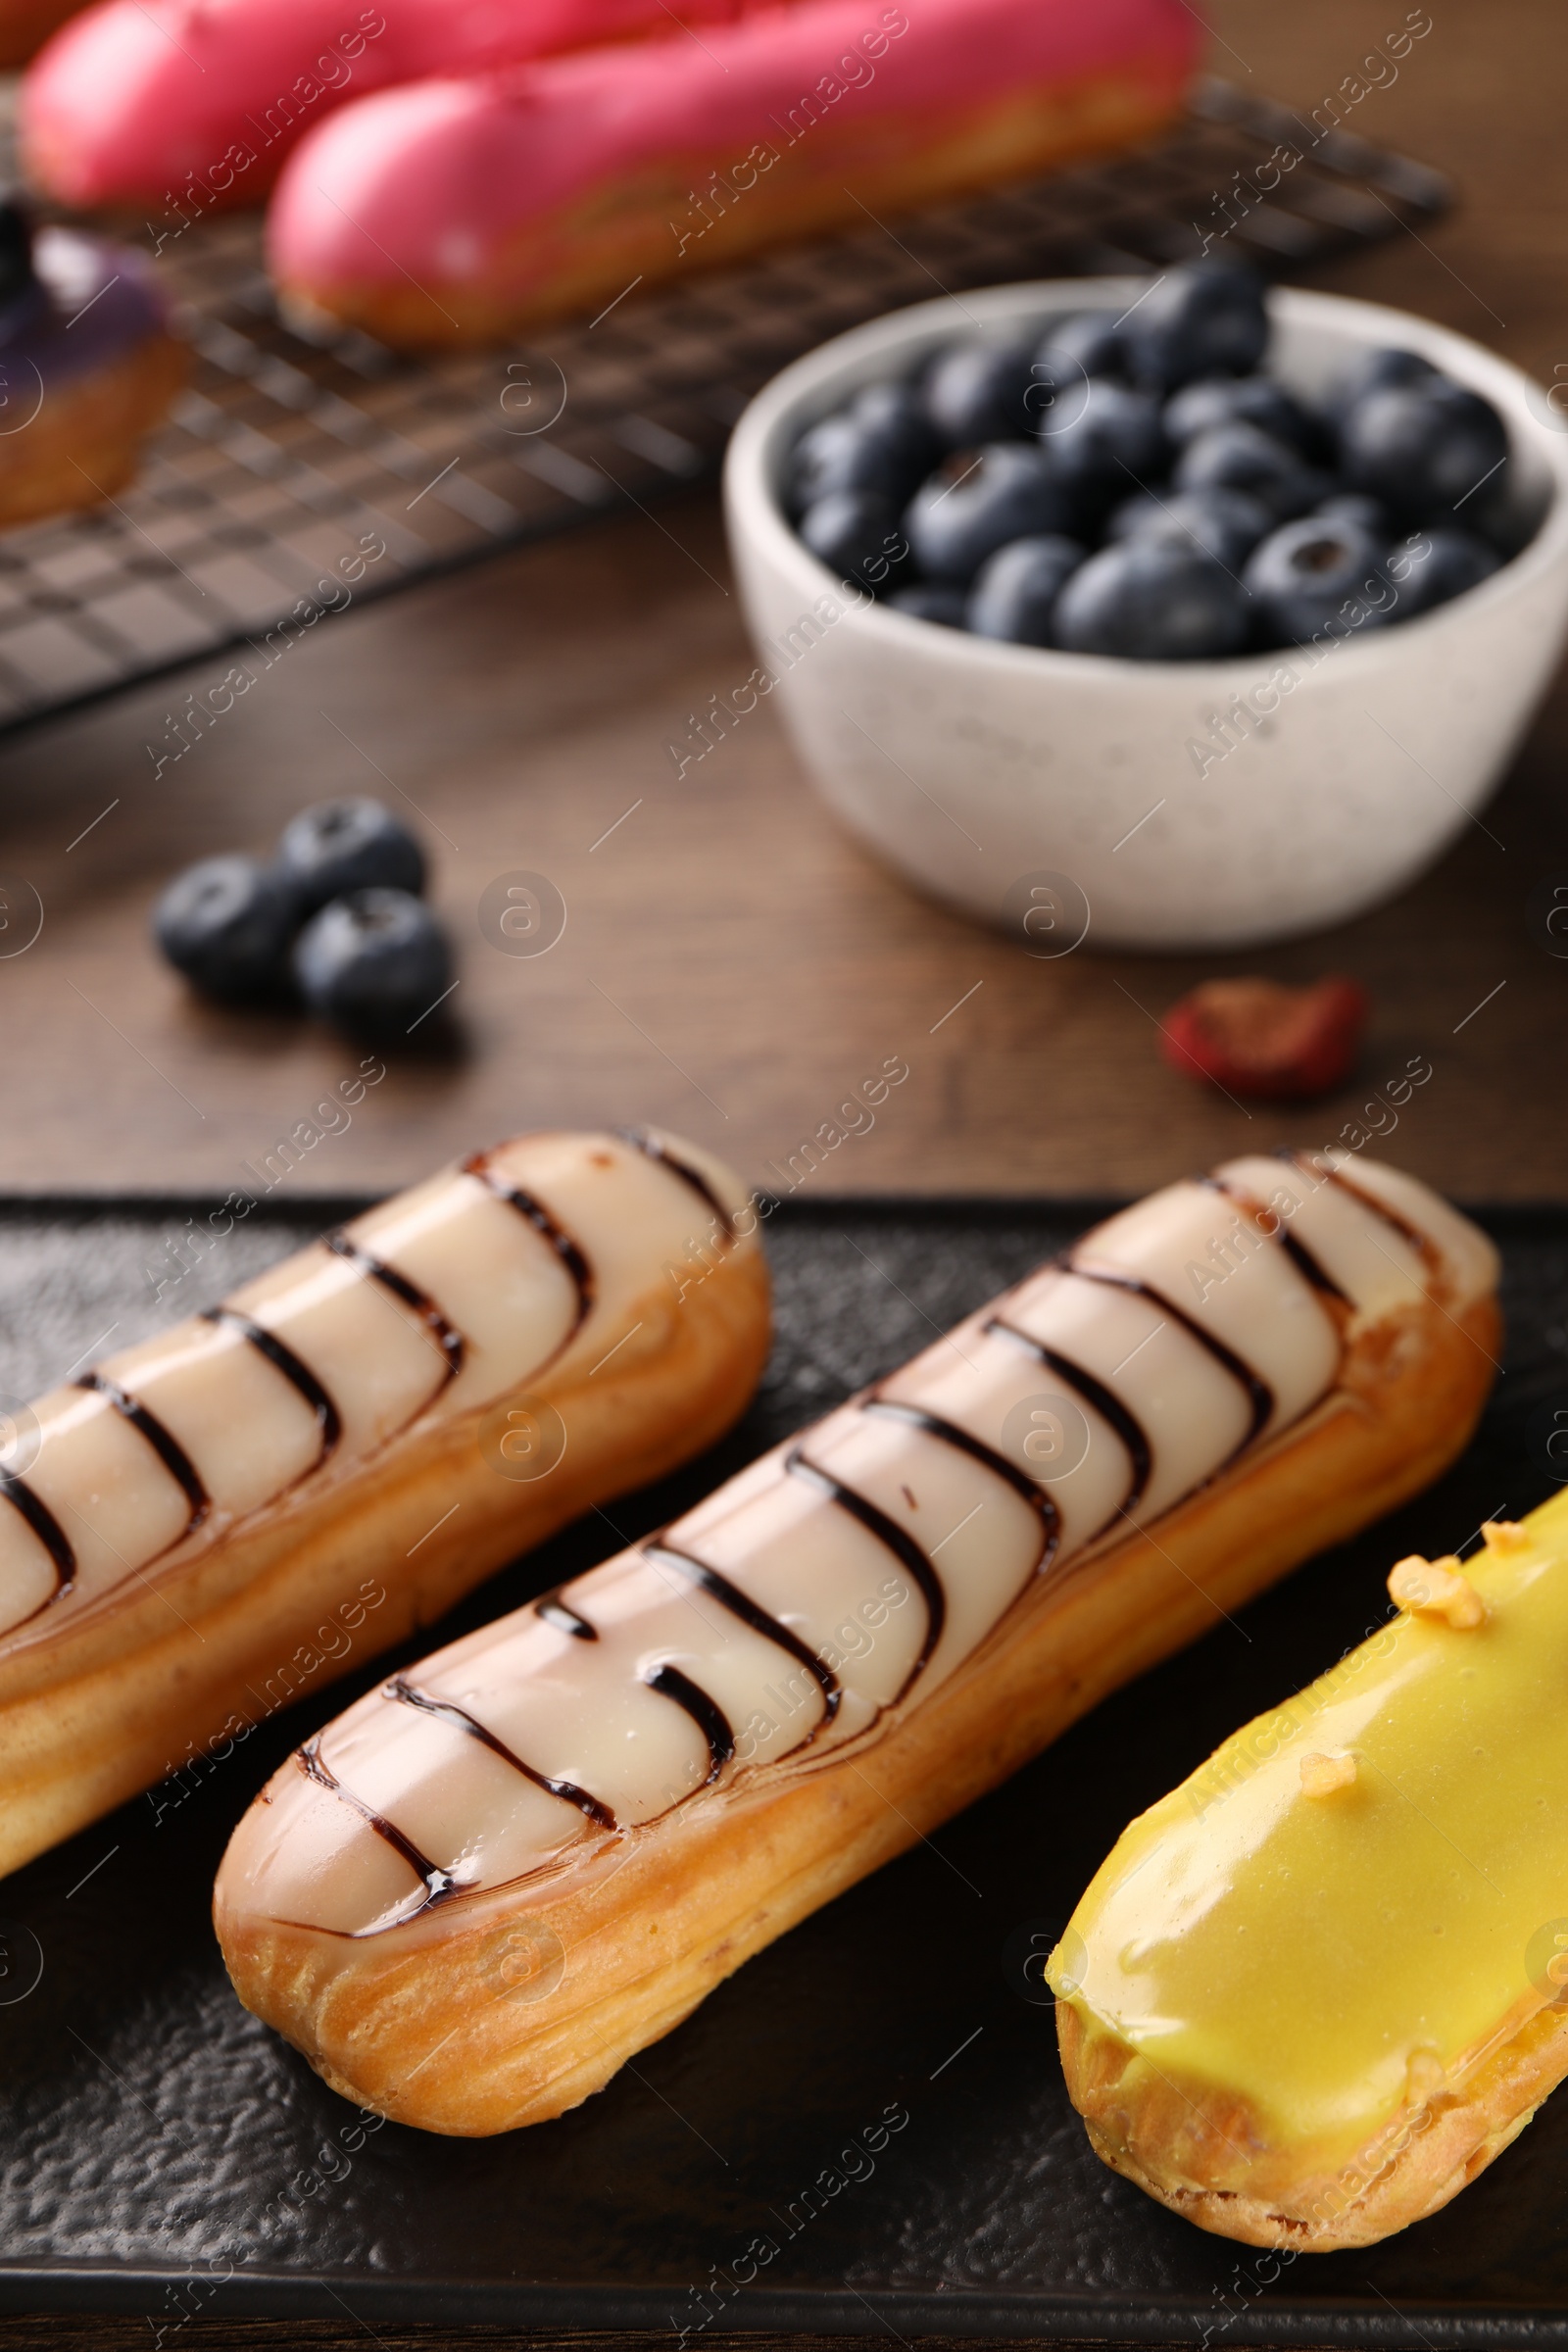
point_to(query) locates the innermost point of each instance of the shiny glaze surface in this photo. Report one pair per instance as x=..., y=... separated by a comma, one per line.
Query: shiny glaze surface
x=461, y=180
x=1359, y=1895
x=429, y=1306
x=852, y=1571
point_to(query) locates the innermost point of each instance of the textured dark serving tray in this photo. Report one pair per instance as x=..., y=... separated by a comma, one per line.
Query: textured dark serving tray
x=286, y=460
x=162, y=2154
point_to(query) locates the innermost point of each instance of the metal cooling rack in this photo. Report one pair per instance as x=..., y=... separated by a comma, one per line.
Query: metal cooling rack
x=286, y=454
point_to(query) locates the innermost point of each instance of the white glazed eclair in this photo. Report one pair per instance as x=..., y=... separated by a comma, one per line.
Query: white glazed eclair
x=1312, y=1992
x=487, y=1885
x=177, y=1524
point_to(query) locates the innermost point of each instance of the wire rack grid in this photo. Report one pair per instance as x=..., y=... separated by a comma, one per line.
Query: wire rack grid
x=300, y=475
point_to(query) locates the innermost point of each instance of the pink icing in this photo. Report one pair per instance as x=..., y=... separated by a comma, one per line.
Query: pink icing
x=133, y=98
x=434, y=180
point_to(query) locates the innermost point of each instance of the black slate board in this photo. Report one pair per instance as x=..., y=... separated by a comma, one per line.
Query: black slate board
x=162, y=2154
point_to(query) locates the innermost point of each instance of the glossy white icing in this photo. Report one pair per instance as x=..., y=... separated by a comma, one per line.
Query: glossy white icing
x=552, y=1250
x=852, y=1571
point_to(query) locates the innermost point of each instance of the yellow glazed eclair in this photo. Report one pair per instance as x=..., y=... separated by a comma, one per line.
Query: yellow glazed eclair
x=491, y=1882
x=353, y=1440
x=1318, y=1989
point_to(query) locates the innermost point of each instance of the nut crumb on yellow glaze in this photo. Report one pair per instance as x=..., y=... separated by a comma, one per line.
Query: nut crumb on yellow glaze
x=1325, y=1775
x=1506, y=1534
x=1314, y=1970
x=1436, y=1589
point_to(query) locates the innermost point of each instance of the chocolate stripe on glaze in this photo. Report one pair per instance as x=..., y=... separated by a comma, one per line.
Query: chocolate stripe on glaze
x=446, y=1336
x=1093, y=1391
x=569, y=1252
x=751, y=1613
x=1300, y=1255
x=438, y=1882
x=1259, y=1396
x=566, y=1620
x=167, y=1447
x=951, y=1434
x=49, y=1532
x=652, y=1148
x=445, y=1711
x=1421, y=1242
x=711, y=1720
x=294, y=1370
x=902, y=1547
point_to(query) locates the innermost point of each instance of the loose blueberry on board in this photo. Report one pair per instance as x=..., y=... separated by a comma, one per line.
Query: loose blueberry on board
x=1226, y=524
x=227, y=923
x=374, y=963
x=856, y=535
x=1310, y=579
x=1242, y=399
x=930, y=601
x=1116, y=442
x=1239, y=457
x=347, y=845
x=1379, y=371
x=978, y=391
x=1016, y=590
x=1209, y=320
x=1146, y=602
x=1431, y=567
x=975, y=504
x=1422, y=448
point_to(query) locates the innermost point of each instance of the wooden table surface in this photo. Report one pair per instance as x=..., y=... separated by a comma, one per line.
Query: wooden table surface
x=732, y=963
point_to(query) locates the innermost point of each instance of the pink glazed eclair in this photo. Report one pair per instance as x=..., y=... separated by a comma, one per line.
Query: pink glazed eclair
x=460, y=211
x=199, y=101
x=396, y=1410
x=493, y=1880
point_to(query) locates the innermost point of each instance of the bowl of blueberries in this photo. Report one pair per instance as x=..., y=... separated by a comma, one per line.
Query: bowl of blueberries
x=1166, y=613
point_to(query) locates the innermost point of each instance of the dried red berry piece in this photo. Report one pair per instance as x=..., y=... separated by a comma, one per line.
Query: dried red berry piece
x=1258, y=1037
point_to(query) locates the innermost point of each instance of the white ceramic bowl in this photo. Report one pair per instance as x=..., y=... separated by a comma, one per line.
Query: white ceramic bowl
x=1000, y=778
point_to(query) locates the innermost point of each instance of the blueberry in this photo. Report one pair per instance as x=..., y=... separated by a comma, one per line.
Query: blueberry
x=1226, y=524
x=883, y=447
x=896, y=415
x=930, y=601
x=1242, y=399
x=1422, y=448
x=1015, y=593
x=1377, y=371
x=1150, y=602
x=374, y=962
x=1115, y=441
x=856, y=535
x=1309, y=579
x=839, y=454
x=1354, y=506
x=975, y=504
x=1432, y=566
x=348, y=845
x=979, y=391
x=227, y=925
x=1090, y=343
x=1239, y=457
x=1205, y=321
